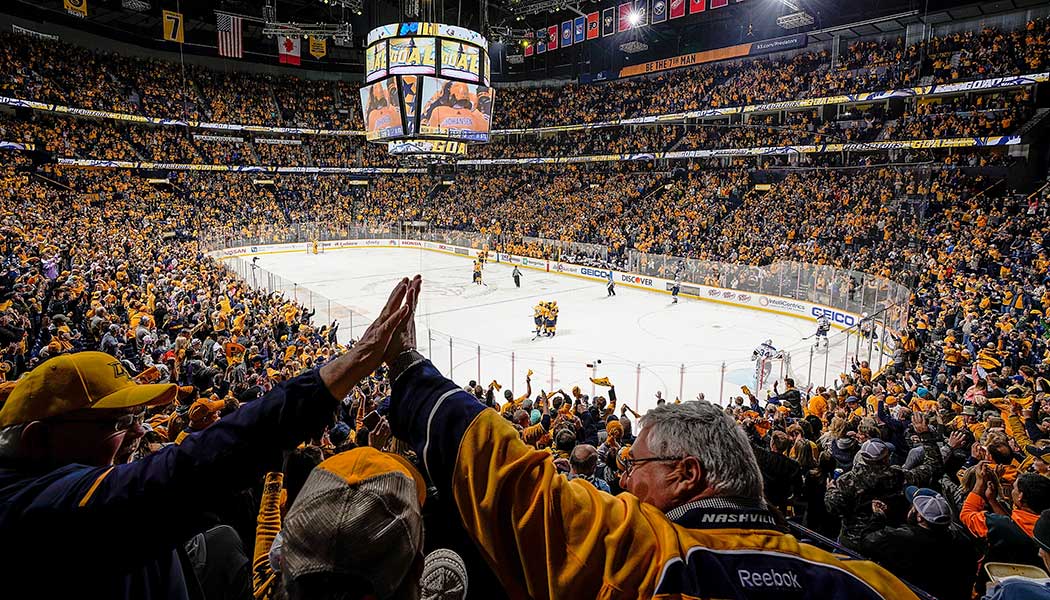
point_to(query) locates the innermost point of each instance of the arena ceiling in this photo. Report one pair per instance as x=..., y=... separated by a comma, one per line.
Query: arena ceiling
x=749, y=19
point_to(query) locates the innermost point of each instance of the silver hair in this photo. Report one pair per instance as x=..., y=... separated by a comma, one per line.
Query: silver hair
x=702, y=430
x=10, y=440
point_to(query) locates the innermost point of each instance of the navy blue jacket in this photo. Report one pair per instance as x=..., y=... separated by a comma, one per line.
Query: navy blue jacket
x=112, y=532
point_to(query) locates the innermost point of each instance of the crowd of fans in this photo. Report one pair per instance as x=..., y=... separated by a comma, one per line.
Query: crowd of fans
x=110, y=264
x=965, y=116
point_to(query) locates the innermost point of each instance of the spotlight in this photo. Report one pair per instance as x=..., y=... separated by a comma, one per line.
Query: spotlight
x=634, y=18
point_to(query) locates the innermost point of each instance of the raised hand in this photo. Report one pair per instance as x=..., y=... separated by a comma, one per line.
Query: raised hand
x=404, y=337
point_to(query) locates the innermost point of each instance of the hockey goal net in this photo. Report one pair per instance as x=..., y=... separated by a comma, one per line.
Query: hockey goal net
x=774, y=369
x=313, y=248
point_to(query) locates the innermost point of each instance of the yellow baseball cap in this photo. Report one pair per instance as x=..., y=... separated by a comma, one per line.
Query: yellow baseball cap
x=73, y=382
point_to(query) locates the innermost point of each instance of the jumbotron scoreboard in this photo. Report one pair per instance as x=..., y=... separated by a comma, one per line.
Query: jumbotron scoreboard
x=427, y=89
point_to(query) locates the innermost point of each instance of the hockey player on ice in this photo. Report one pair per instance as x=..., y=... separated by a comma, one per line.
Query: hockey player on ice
x=867, y=327
x=762, y=356
x=823, y=327
x=675, y=289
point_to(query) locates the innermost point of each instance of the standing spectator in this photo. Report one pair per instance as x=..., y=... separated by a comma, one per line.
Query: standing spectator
x=850, y=496
x=695, y=521
x=927, y=550
x=62, y=498
x=1008, y=533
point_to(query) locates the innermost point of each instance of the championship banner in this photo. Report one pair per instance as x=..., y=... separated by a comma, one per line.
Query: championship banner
x=641, y=9
x=76, y=7
x=696, y=6
x=552, y=37
x=625, y=18
x=541, y=46
x=677, y=9
x=608, y=21
x=173, y=29
x=579, y=30
x=566, y=34
x=593, y=31
x=318, y=47
x=659, y=11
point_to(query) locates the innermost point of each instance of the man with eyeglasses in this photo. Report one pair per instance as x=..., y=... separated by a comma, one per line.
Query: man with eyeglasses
x=693, y=525
x=73, y=522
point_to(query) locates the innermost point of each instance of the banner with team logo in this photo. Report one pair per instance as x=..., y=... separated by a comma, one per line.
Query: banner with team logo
x=677, y=9
x=641, y=11
x=566, y=34
x=552, y=37
x=76, y=7
x=608, y=21
x=593, y=30
x=719, y=3
x=579, y=30
x=625, y=18
x=697, y=6
x=318, y=47
x=659, y=11
x=541, y=46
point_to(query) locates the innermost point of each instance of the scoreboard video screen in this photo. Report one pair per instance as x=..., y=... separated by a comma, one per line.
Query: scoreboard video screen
x=381, y=106
x=427, y=88
x=412, y=56
x=375, y=61
x=456, y=110
x=459, y=59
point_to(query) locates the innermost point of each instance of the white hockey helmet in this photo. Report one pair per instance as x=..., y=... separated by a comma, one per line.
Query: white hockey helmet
x=768, y=342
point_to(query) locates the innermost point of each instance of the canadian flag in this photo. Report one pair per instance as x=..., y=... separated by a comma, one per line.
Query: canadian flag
x=288, y=49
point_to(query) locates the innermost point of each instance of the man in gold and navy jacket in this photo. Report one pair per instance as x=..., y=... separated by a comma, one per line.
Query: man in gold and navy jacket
x=693, y=524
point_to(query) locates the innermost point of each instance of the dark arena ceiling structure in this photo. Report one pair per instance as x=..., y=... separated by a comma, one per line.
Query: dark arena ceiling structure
x=510, y=25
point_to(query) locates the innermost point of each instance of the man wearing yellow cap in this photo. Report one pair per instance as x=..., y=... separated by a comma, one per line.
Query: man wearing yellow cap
x=72, y=522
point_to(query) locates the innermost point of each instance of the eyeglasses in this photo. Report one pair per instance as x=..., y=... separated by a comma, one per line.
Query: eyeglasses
x=630, y=462
x=121, y=423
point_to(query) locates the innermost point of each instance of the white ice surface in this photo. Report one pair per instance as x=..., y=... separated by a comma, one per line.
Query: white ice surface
x=645, y=343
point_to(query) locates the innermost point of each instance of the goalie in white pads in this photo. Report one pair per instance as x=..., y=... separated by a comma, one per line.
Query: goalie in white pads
x=763, y=357
x=823, y=327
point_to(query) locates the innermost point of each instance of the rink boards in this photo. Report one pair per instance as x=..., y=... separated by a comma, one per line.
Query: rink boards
x=790, y=307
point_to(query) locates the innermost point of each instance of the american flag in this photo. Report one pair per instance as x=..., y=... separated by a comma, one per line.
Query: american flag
x=229, y=28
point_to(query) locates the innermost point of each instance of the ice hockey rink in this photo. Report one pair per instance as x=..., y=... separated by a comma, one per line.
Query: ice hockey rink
x=645, y=343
